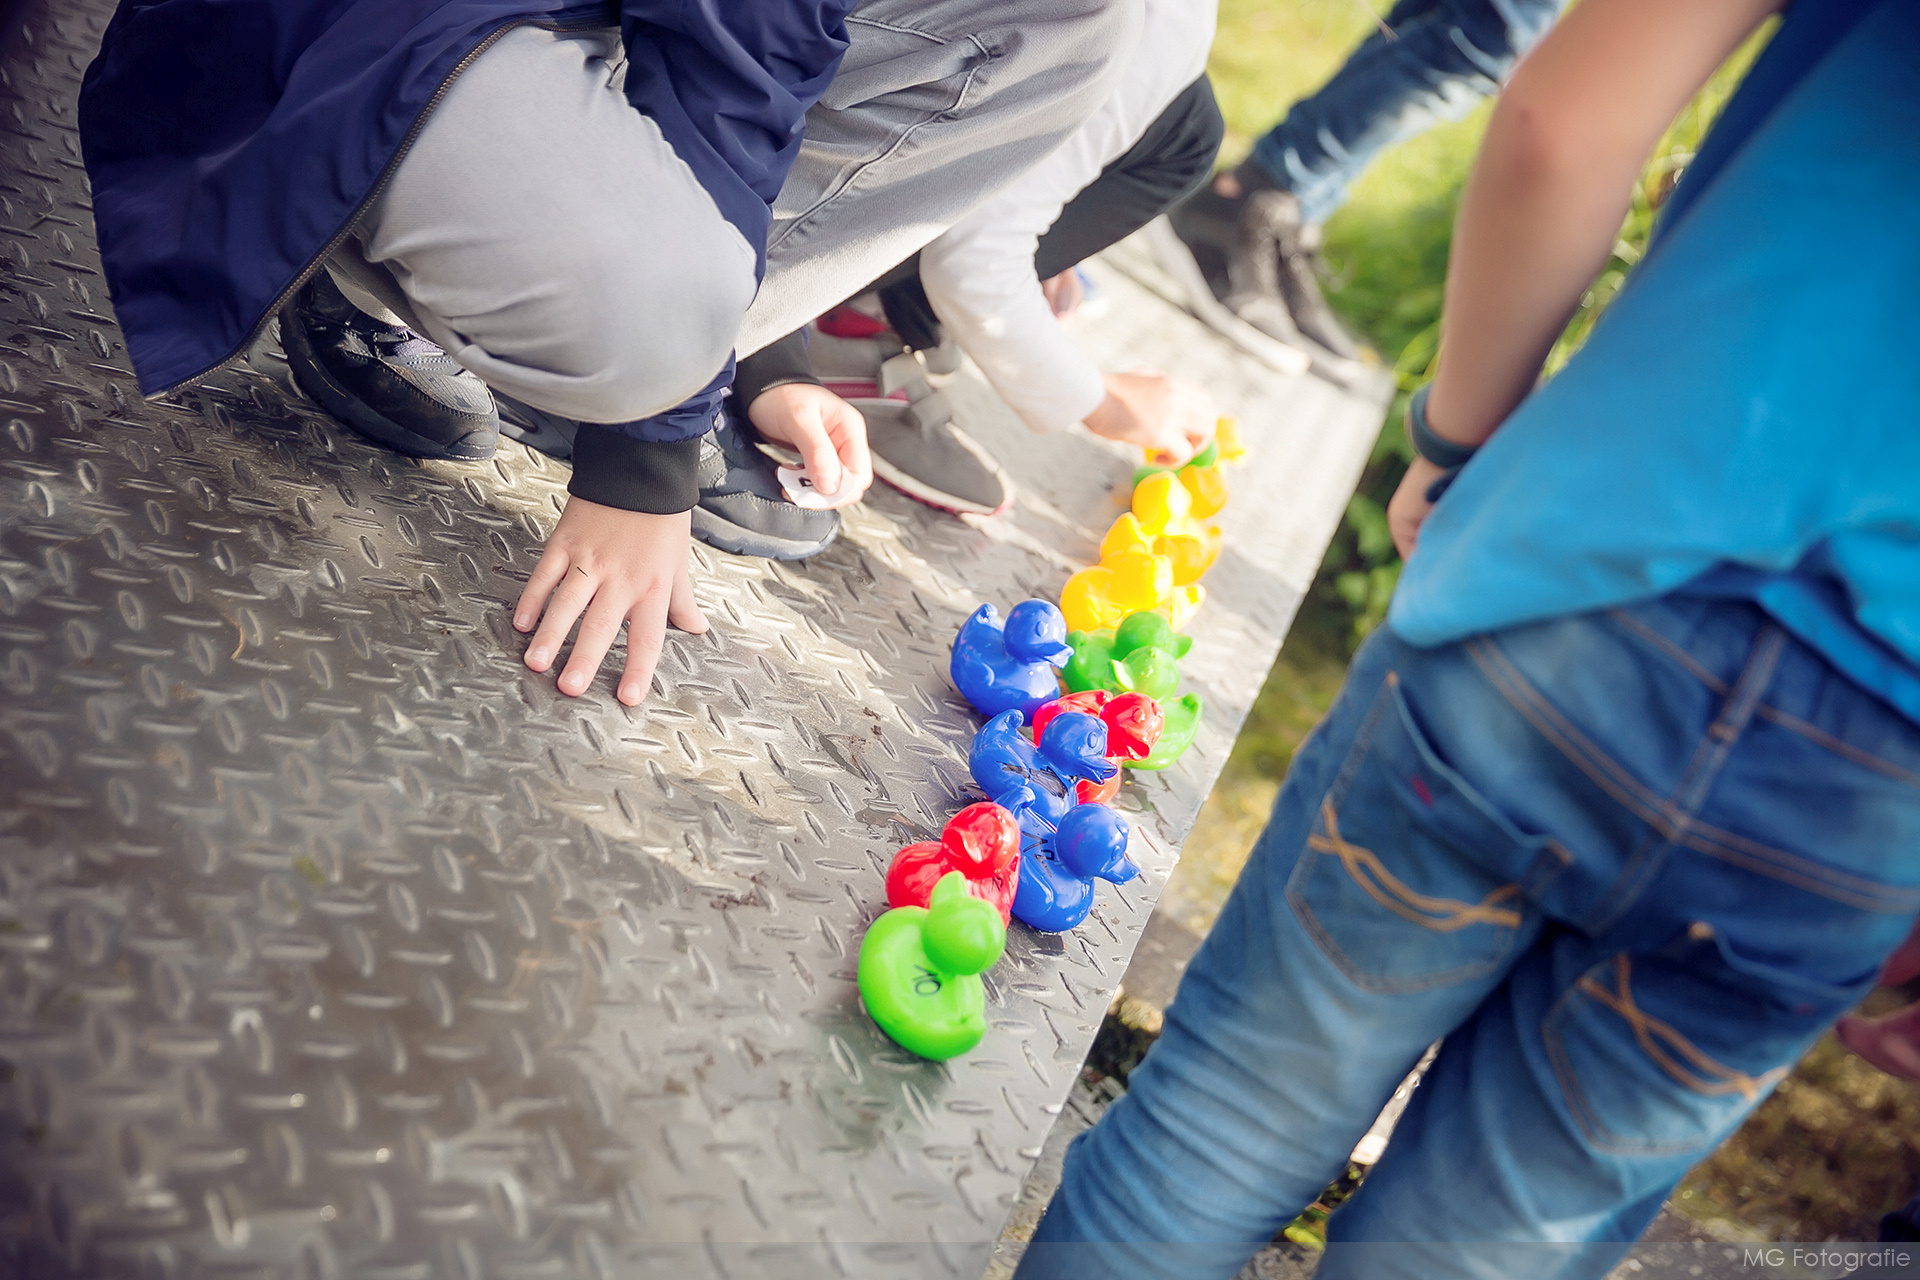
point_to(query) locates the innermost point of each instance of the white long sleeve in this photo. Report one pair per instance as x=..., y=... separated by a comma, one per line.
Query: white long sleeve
x=979, y=274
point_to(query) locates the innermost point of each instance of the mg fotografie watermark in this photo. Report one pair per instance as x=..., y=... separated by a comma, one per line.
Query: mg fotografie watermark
x=1824, y=1256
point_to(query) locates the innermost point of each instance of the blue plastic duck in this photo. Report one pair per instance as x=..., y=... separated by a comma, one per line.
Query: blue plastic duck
x=1056, y=878
x=1036, y=781
x=1011, y=666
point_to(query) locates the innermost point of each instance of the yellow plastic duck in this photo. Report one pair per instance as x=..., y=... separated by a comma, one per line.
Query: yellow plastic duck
x=1130, y=582
x=1149, y=561
x=1206, y=487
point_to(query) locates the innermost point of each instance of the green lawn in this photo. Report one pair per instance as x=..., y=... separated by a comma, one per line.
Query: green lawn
x=1839, y=1144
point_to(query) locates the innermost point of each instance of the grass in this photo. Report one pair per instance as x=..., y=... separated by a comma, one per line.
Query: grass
x=1838, y=1144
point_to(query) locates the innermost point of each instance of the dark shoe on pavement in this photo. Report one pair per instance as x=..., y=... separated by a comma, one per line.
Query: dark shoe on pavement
x=548, y=433
x=918, y=450
x=1260, y=259
x=384, y=380
x=743, y=509
x=1296, y=252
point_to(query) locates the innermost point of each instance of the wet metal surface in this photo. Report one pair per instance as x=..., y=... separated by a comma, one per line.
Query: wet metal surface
x=335, y=943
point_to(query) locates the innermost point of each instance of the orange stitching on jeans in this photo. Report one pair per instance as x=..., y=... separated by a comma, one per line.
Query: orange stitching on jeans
x=1672, y=650
x=1452, y=914
x=1776, y=864
x=1572, y=744
x=1791, y=723
x=1682, y=829
x=1715, y=1078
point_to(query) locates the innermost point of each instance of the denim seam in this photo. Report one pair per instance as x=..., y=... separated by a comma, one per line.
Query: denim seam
x=1596, y=764
x=1702, y=837
x=1362, y=741
x=1729, y=723
x=1791, y=723
x=1853, y=891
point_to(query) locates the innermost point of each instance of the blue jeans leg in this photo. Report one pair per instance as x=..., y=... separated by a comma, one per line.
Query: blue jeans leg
x=1444, y=57
x=1532, y=845
x=1278, y=1051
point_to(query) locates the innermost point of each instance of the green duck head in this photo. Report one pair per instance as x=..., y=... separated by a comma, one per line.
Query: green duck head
x=1148, y=670
x=963, y=934
x=1147, y=630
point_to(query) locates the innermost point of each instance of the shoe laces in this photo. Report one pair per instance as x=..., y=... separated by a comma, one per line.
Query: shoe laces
x=402, y=344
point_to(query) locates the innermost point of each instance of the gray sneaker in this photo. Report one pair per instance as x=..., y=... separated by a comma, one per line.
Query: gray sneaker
x=919, y=451
x=743, y=509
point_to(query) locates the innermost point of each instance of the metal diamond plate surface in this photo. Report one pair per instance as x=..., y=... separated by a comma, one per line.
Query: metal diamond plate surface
x=334, y=943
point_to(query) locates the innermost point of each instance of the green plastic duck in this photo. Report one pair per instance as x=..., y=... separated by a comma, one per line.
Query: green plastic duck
x=920, y=967
x=1183, y=721
x=1139, y=656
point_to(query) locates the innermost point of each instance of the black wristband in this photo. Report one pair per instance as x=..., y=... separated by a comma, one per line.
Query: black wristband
x=659, y=477
x=1444, y=454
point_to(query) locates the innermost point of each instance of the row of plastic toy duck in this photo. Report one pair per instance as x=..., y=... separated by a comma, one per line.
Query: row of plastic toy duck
x=1035, y=849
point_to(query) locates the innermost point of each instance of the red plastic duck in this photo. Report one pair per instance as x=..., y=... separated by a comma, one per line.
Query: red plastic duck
x=981, y=842
x=1133, y=723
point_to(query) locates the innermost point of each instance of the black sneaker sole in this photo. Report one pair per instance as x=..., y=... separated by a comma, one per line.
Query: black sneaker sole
x=313, y=378
x=724, y=535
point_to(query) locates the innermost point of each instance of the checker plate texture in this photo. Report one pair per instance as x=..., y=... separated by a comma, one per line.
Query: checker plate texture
x=335, y=943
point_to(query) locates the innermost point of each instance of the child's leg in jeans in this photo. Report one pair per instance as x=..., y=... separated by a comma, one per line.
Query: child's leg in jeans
x=1376, y=911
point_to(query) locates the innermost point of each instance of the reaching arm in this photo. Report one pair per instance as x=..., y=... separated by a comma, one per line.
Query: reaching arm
x=1552, y=183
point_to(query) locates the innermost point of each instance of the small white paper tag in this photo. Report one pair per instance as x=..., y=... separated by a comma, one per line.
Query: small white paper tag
x=801, y=491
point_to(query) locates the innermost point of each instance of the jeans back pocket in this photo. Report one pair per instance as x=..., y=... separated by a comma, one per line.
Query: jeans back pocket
x=1663, y=1053
x=1411, y=880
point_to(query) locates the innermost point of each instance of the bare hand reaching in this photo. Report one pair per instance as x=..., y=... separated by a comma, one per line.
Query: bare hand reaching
x=1170, y=419
x=604, y=567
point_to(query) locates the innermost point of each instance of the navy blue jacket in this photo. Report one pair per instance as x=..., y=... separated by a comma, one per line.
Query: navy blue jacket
x=230, y=143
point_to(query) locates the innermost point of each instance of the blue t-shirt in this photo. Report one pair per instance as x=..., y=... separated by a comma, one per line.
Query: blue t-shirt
x=1742, y=421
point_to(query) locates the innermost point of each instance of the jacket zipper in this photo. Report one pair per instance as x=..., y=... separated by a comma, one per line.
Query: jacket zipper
x=380, y=185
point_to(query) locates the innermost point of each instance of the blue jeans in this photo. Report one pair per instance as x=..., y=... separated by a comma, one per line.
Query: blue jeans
x=1629, y=865
x=1443, y=58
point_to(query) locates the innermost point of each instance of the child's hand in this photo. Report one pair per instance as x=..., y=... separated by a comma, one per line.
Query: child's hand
x=1170, y=419
x=829, y=433
x=615, y=566
x=1408, y=509
x=1063, y=293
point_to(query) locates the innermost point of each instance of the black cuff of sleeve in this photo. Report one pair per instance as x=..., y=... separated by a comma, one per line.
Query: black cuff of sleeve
x=774, y=365
x=659, y=477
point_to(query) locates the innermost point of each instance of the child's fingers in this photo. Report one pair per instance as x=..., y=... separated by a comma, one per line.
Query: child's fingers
x=646, y=636
x=683, y=611
x=849, y=430
x=816, y=446
x=540, y=584
x=1173, y=449
x=575, y=590
x=599, y=628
